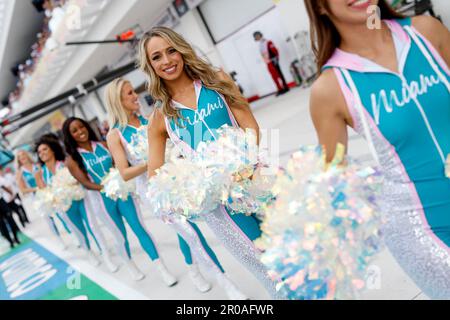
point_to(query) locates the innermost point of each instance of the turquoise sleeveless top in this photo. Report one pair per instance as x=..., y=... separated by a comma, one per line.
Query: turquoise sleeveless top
x=195, y=126
x=407, y=118
x=28, y=177
x=128, y=131
x=48, y=175
x=97, y=163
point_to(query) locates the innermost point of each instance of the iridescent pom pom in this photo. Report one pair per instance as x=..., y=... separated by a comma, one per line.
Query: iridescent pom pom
x=251, y=193
x=250, y=179
x=115, y=187
x=322, y=231
x=194, y=184
x=43, y=202
x=66, y=190
x=138, y=146
x=222, y=171
x=233, y=150
x=185, y=189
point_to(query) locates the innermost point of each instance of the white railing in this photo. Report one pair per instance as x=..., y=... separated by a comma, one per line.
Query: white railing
x=71, y=23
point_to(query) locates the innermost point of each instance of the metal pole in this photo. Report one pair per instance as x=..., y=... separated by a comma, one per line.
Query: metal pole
x=59, y=105
x=123, y=70
x=77, y=43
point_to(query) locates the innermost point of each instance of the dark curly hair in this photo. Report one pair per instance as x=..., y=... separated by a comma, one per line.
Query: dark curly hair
x=70, y=143
x=52, y=141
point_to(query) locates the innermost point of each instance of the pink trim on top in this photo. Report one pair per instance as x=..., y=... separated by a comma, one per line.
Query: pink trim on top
x=176, y=140
x=437, y=56
x=230, y=113
x=349, y=99
x=100, y=145
x=122, y=138
x=93, y=145
x=398, y=30
x=355, y=62
x=345, y=60
x=198, y=89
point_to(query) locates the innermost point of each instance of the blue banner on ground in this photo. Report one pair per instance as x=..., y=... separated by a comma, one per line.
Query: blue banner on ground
x=31, y=272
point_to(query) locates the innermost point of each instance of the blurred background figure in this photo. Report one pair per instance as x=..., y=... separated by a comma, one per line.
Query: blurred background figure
x=8, y=227
x=11, y=196
x=271, y=56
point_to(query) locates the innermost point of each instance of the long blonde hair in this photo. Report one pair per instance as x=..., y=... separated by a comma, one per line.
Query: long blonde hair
x=113, y=97
x=17, y=163
x=195, y=67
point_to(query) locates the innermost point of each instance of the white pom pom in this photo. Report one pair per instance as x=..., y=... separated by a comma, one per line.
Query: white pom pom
x=116, y=188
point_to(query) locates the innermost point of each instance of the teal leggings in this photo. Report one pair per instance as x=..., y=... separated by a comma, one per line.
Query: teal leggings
x=187, y=251
x=78, y=223
x=52, y=224
x=250, y=225
x=118, y=210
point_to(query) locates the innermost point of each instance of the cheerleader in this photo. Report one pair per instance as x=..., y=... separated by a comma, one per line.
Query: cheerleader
x=26, y=170
x=195, y=101
x=52, y=157
x=123, y=106
x=391, y=85
x=89, y=162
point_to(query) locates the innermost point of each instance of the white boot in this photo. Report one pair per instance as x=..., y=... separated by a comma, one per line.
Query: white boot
x=93, y=259
x=133, y=270
x=230, y=288
x=167, y=277
x=112, y=267
x=197, y=278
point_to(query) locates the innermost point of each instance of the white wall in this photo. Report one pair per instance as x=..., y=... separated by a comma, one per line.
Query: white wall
x=225, y=17
x=194, y=31
x=293, y=15
x=442, y=8
x=242, y=54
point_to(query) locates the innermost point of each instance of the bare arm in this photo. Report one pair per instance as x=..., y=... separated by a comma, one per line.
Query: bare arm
x=120, y=158
x=329, y=113
x=242, y=113
x=22, y=185
x=157, y=137
x=7, y=190
x=81, y=176
x=435, y=32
